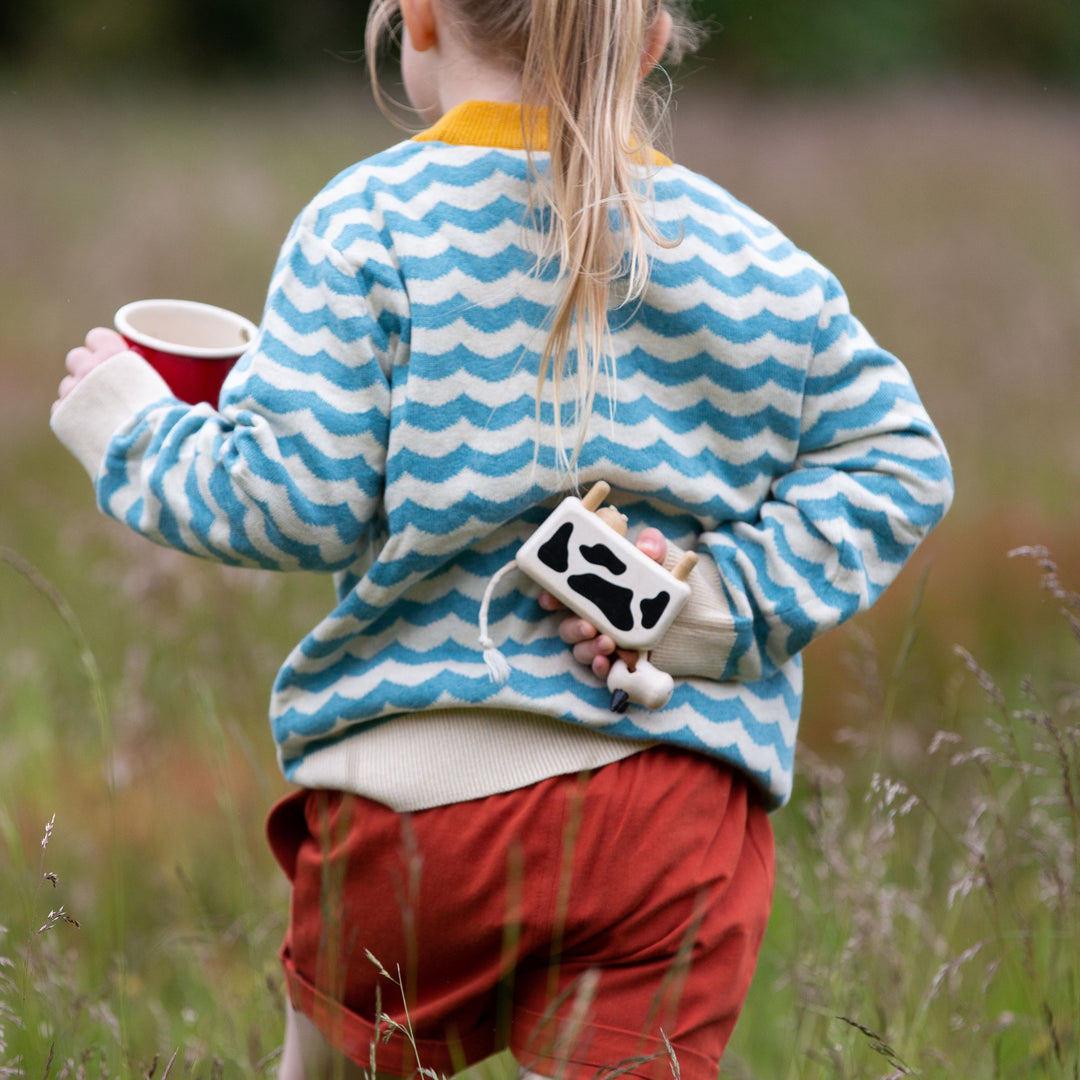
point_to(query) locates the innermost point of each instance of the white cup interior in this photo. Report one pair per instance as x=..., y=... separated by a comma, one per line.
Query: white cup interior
x=185, y=327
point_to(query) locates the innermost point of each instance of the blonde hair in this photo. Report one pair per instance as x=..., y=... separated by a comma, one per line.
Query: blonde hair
x=580, y=63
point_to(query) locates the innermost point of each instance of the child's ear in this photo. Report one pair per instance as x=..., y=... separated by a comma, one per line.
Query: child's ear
x=656, y=42
x=419, y=18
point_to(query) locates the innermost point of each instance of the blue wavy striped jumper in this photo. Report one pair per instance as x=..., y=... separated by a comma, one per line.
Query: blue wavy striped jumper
x=382, y=427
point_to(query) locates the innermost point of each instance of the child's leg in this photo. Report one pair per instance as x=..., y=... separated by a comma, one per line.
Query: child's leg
x=306, y=1055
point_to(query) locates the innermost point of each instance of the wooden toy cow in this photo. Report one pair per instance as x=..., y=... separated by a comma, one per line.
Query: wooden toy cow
x=581, y=555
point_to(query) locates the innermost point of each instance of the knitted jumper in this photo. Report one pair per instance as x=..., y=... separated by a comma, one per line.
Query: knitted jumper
x=382, y=428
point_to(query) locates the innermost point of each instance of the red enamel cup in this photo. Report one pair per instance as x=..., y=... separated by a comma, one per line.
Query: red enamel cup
x=192, y=346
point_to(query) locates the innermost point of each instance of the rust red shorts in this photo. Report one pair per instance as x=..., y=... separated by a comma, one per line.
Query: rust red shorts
x=577, y=922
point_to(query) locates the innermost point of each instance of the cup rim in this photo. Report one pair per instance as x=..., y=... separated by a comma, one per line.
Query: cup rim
x=148, y=341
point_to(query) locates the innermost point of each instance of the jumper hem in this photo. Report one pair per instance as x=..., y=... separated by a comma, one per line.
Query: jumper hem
x=416, y=761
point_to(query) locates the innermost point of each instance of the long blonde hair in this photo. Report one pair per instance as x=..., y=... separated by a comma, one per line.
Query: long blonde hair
x=580, y=63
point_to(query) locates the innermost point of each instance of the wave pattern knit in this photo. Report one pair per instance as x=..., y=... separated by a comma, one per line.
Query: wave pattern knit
x=382, y=428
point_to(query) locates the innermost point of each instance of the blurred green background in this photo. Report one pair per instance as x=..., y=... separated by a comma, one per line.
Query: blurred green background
x=928, y=151
x=785, y=42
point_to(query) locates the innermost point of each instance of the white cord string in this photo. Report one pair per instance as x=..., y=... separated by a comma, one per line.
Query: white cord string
x=497, y=665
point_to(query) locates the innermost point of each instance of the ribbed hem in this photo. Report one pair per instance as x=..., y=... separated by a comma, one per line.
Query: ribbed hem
x=102, y=402
x=499, y=124
x=419, y=760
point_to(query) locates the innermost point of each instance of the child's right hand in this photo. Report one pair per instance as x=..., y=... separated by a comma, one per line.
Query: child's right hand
x=594, y=650
x=101, y=343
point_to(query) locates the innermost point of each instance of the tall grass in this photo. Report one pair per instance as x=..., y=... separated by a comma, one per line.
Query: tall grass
x=133, y=975
x=926, y=917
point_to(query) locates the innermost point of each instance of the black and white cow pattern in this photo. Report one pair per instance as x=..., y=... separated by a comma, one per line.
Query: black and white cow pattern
x=613, y=599
x=596, y=572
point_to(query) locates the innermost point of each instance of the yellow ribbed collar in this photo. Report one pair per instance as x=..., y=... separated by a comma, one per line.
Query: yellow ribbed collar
x=497, y=124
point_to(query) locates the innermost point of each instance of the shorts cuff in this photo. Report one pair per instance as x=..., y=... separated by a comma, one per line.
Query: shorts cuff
x=600, y=1051
x=357, y=1038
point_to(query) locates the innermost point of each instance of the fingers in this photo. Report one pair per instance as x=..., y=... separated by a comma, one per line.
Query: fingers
x=600, y=667
x=101, y=343
x=105, y=342
x=79, y=361
x=596, y=654
x=589, y=647
x=653, y=543
x=574, y=629
x=66, y=384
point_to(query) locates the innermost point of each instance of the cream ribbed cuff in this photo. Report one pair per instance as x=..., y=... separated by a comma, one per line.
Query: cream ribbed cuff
x=102, y=402
x=699, y=641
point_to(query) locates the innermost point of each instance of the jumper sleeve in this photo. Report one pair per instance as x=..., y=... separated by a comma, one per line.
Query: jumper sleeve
x=287, y=472
x=870, y=479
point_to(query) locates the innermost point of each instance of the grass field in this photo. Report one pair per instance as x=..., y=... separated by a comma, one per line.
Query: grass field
x=929, y=886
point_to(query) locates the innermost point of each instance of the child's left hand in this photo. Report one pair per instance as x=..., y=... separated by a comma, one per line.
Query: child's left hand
x=101, y=343
x=594, y=650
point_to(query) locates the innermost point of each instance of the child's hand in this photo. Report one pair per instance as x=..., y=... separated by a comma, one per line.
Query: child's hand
x=590, y=648
x=101, y=343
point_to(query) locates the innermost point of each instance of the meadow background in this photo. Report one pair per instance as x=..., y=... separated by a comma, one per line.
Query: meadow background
x=927, y=917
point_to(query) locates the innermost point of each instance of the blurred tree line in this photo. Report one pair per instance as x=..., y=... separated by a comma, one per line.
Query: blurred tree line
x=764, y=42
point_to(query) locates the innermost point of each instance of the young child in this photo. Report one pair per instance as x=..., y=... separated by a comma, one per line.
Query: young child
x=519, y=302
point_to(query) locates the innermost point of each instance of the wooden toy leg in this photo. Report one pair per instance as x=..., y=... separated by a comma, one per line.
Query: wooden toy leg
x=596, y=495
x=646, y=685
